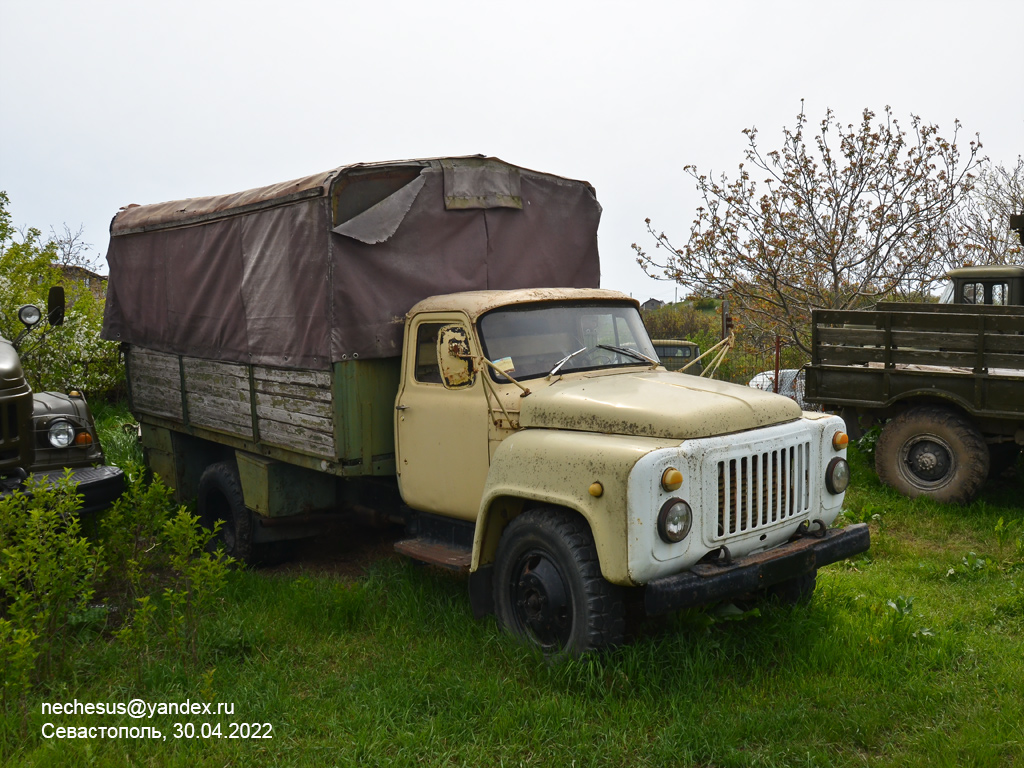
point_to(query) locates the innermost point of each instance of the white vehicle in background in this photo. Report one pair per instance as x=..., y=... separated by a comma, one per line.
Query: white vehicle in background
x=790, y=384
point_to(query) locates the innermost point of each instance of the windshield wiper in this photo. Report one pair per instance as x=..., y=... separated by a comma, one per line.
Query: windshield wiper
x=565, y=360
x=630, y=353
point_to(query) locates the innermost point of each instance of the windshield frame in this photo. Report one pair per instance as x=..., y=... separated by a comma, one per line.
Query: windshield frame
x=565, y=322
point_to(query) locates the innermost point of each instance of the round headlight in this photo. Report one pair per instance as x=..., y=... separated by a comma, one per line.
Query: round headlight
x=61, y=434
x=674, y=520
x=837, y=476
x=30, y=315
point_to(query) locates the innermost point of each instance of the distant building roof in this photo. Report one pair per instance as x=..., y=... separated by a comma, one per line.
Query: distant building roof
x=79, y=273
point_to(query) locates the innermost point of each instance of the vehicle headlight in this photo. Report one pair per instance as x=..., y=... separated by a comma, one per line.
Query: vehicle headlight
x=61, y=434
x=30, y=315
x=837, y=476
x=674, y=520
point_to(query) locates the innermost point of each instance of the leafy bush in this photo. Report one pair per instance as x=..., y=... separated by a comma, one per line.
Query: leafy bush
x=151, y=563
x=679, y=321
x=70, y=356
x=161, y=566
x=48, y=571
x=869, y=441
x=73, y=356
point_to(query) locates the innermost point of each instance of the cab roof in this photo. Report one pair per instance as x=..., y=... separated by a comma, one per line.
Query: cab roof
x=476, y=303
x=991, y=270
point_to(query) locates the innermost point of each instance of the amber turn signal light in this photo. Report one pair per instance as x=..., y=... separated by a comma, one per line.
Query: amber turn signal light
x=83, y=438
x=840, y=440
x=671, y=479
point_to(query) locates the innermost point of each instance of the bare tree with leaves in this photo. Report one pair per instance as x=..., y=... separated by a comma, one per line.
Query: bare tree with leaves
x=981, y=228
x=837, y=219
x=72, y=250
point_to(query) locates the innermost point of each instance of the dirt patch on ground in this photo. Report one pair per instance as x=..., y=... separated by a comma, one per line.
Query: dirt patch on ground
x=346, y=550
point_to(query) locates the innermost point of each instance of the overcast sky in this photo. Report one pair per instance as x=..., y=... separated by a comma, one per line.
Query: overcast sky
x=114, y=102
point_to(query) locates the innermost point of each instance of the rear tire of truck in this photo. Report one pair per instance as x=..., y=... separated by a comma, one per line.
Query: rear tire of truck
x=934, y=452
x=548, y=587
x=220, y=498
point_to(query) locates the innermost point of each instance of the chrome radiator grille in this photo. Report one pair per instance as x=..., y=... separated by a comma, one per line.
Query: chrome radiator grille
x=762, y=489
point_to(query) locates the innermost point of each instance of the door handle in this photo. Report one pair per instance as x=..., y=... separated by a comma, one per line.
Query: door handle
x=401, y=407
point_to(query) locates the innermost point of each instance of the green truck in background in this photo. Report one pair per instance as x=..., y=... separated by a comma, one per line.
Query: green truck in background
x=679, y=355
x=945, y=380
x=45, y=435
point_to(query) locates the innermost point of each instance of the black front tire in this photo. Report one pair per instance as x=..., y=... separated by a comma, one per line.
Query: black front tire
x=220, y=498
x=548, y=587
x=935, y=452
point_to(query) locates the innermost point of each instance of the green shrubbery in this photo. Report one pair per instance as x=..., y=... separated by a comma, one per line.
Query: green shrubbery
x=70, y=356
x=48, y=574
x=700, y=321
x=143, y=581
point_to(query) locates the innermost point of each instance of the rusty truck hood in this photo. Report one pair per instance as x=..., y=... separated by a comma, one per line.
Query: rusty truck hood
x=654, y=404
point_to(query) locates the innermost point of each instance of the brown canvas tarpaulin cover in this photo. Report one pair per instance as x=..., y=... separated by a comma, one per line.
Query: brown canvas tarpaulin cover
x=323, y=269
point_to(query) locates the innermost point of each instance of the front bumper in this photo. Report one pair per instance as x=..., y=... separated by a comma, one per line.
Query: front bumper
x=98, y=486
x=707, y=583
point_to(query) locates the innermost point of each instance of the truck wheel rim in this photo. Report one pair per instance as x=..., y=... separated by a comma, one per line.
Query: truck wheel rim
x=541, y=600
x=927, y=461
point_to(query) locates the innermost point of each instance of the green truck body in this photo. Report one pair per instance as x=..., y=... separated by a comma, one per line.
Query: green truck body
x=679, y=355
x=45, y=436
x=945, y=380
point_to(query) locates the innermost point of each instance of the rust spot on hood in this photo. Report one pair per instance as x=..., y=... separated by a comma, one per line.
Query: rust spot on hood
x=655, y=404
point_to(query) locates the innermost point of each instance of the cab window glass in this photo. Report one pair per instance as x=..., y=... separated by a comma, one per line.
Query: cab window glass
x=427, y=370
x=973, y=293
x=533, y=340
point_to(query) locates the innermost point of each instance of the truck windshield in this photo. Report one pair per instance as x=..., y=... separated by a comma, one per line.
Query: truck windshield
x=533, y=340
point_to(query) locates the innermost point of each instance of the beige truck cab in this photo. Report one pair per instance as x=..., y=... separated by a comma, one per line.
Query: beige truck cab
x=582, y=468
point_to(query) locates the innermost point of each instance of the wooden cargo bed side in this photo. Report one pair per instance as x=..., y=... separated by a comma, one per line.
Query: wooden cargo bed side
x=294, y=410
x=339, y=421
x=874, y=359
x=217, y=396
x=154, y=383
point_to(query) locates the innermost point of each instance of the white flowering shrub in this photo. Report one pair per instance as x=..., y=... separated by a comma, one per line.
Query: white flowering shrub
x=71, y=356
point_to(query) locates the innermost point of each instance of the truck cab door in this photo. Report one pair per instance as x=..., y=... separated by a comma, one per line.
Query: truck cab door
x=440, y=431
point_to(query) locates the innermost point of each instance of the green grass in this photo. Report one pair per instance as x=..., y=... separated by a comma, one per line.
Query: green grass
x=911, y=655
x=118, y=434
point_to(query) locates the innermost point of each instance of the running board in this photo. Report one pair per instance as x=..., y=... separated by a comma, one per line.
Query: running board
x=436, y=553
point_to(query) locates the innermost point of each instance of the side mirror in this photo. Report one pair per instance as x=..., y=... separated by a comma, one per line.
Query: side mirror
x=55, y=305
x=454, y=359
